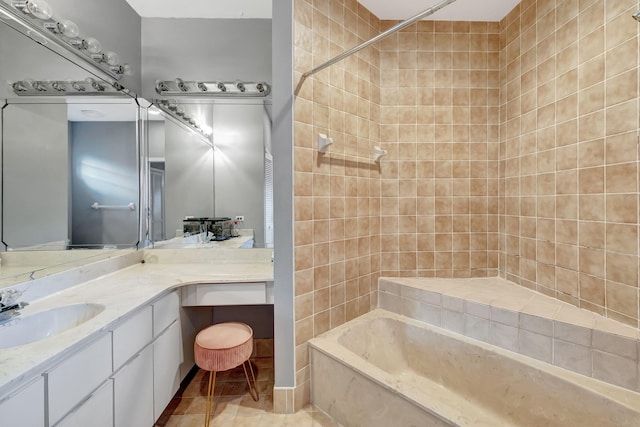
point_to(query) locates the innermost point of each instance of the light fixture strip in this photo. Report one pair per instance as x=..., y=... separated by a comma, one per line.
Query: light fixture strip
x=179, y=87
x=88, y=86
x=177, y=112
x=37, y=16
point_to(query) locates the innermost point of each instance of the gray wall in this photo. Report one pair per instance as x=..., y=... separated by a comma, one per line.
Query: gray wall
x=104, y=170
x=36, y=174
x=115, y=24
x=156, y=139
x=238, y=134
x=188, y=177
x=282, y=139
x=205, y=49
x=22, y=58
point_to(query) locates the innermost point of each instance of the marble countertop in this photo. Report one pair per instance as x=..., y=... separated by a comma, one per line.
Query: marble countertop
x=122, y=291
x=245, y=237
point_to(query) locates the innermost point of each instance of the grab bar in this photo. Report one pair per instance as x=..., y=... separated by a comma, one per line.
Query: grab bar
x=97, y=206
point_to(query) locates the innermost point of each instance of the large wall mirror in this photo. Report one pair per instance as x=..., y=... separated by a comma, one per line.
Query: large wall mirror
x=227, y=175
x=222, y=172
x=70, y=162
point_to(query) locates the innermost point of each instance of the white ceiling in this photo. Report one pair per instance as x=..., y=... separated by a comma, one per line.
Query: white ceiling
x=202, y=8
x=461, y=10
x=100, y=112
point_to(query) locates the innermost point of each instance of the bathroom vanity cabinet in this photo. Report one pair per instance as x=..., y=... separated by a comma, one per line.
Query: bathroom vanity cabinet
x=72, y=382
x=25, y=405
x=133, y=370
x=124, y=377
x=96, y=411
x=167, y=351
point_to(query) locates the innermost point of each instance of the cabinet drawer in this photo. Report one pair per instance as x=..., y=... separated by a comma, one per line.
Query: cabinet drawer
x=25, y=406
x=225, y=294
x=131, y=336
x=96, y=411
x=165, y=311
x=77, y=376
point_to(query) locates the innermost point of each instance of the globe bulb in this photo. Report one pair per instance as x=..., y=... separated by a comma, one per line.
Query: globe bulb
x=40, y=9
x=128, y=71
x=111, y=58
x=19, y=87
x=69, y=28
x=92, y=45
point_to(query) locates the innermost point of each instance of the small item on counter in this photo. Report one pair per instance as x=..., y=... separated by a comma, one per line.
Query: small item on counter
x=234, y=229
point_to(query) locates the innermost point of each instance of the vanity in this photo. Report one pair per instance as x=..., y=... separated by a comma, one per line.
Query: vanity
x=122, y=366
x=115, y=300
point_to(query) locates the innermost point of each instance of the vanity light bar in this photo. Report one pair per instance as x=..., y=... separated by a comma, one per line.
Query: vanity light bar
x=39, y=14
x=178, y=113
x=179, y=87
x=89, y=86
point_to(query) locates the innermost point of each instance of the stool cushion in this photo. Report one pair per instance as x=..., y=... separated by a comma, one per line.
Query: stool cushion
x=223, y=346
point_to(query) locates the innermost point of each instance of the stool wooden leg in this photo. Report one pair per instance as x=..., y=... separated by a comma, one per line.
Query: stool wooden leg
x=210, y=390
x=253, y=390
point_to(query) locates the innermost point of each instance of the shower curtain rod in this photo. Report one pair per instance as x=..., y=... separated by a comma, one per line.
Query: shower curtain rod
x=380, y=36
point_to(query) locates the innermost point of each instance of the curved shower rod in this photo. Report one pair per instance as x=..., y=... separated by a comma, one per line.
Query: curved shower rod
x=379, y=37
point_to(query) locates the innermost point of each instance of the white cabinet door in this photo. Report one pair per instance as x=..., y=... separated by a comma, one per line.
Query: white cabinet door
x=165, y=311
x=73, y=379
x=133, y=392
x=24, y=407
x=132, y=336
x=167, y=356
x=97, y=411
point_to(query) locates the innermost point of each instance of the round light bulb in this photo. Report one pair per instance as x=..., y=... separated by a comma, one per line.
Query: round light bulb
x=180, y=110
x=78, y=86
x=92, y=45
x=69, y=28
x=19, y=87
x=40, y=9
x=128, y=71
x=111, y=58
x=59, y=86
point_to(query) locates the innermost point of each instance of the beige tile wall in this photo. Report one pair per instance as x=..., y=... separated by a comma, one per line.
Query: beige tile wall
x=568, y=151
x=439, y=118
x=512, y=151
x=337, y=194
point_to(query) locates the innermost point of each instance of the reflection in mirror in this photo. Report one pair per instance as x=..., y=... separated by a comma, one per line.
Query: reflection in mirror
x=54, y=167
x=204, y=193
x=71, y=174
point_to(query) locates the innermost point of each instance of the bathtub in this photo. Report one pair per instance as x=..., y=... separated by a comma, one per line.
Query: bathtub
x=384, y=369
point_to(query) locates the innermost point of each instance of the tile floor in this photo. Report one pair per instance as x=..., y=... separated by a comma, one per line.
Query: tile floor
x=233, y=405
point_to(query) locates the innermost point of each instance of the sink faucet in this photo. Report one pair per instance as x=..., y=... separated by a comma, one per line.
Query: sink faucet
x=9, y=307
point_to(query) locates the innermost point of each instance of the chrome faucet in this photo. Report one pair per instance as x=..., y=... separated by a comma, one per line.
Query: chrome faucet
x=9, y=307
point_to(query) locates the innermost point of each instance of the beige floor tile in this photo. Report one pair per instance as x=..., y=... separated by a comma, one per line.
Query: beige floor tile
x=233, y=406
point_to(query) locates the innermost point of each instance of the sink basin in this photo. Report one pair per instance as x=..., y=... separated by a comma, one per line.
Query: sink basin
x=34, y=327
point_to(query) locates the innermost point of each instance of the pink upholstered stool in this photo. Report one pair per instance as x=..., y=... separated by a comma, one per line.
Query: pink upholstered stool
x=221, y=347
